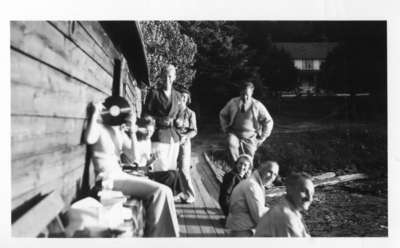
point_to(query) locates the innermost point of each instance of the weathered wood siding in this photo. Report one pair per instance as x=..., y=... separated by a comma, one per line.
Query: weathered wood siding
x=57, y=69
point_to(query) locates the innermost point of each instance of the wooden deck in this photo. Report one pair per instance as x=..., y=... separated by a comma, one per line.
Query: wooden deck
x=203, y=217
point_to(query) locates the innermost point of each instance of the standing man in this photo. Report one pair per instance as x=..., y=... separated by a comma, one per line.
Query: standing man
x=247, y=123
x=284, y=219
x=247, y=203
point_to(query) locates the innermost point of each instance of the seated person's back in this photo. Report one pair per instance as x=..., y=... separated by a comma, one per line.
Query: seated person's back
x=247, y=203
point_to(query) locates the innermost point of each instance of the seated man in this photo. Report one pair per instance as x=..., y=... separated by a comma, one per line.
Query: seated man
x=232, y=178
x=247, y=203
x=107, y=143
x=284, y=219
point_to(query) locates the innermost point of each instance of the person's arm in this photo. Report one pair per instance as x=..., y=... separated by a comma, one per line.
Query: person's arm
x=266, y=122
x=225, y=192
x=130, y=142
x=255, y=199
x=224, y=116
x=148, y=105
x=192, y=128
x=92, y=132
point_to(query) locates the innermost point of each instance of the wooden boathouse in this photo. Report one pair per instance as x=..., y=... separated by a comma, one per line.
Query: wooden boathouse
x=57, y=69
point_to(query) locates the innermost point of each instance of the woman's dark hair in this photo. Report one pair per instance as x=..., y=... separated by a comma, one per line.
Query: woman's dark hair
x=144, y=122
x=183, y=90
x=247, y=85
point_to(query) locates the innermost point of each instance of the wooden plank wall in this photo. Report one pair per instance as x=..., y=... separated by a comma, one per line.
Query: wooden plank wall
x=57, y=69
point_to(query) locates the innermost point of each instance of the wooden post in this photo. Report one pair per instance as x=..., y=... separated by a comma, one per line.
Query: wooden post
x=116, y=87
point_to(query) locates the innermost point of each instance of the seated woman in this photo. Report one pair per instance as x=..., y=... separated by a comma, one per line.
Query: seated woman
x=241, y=170
x=144, y=158
x=107, y=142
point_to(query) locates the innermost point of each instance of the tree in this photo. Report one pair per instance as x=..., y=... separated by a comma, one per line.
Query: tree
x=276, y=69
x=221, y=62
x=274, y=66
x=166, y=44
x=357, y=66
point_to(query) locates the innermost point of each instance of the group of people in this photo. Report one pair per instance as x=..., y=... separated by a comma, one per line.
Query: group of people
x=247, y=125
x=160, y=142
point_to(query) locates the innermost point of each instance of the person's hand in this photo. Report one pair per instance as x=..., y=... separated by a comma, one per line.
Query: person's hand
x=178, y=123
x=129, y=128
x=154, y=156
x=130, y=124
x=97, y=109
x=259, y=142
x=184, y=139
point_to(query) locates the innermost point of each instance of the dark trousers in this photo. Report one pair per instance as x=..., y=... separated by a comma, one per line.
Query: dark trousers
x=168, y=178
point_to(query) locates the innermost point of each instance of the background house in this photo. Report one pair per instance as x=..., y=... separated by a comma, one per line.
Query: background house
x=307, y=58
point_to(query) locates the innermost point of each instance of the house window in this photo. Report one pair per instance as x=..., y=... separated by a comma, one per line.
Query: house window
x=298, y=64
x=308, y=65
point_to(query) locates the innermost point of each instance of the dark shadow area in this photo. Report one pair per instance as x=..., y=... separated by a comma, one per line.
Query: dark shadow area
x=25, y=207
x=85, y=187
x=198, y=235
x=203, y=222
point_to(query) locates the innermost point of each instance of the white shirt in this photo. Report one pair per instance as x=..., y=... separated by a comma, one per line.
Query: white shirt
x=282, y=221
x=247, y=204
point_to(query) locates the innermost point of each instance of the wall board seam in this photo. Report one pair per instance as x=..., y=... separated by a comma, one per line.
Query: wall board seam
x=57, y=69
x=68, y=37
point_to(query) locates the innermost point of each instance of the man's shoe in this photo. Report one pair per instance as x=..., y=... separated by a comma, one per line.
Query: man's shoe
x=189, y=200
x=177, y=199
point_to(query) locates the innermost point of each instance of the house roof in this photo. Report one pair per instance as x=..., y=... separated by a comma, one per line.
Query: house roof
x=308, y=50
x=127, y=37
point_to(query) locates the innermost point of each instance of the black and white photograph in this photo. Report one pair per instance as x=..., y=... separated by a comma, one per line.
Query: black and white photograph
x=184, y=128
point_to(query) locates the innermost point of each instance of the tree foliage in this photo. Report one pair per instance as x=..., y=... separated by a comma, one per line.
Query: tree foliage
x=225, y=60
x=275, y=67
x=165, y=44
x=355, y=67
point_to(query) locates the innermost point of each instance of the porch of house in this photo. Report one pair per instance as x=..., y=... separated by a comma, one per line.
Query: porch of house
x=203, y=217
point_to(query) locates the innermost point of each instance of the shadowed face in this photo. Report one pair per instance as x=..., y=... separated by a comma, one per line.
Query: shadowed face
x=149, y=131
x=242, y=166
x=128, y=122
x=246, y=94
x=184, y=99
x=168, y=79
x=302, y=194
x=271, y=174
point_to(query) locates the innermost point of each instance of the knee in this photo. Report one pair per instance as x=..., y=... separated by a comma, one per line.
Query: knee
x=233, y=141
x=164, y=190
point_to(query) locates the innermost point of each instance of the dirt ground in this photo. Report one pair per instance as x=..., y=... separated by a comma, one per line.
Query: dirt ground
x=352, y=209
